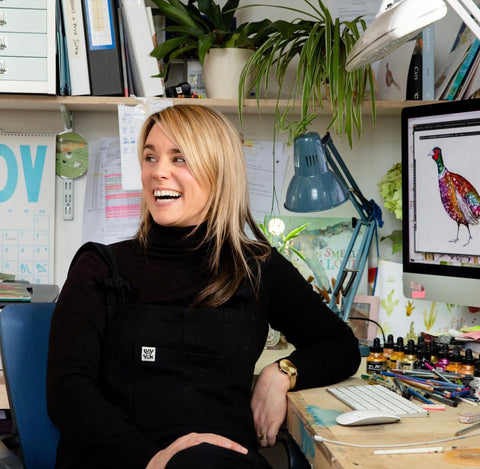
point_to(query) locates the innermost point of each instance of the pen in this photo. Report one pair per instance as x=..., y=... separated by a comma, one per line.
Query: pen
x=468, y=401
x=456, y=394
x=401, y=387
x=419, y=396
x=467, y=429
x=417, y=384
x=440, y=375
x=441, y=399
x=435, y=449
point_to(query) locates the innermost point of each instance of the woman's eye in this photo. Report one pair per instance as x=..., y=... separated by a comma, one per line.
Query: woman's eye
x=149, y=158
x=179, y=159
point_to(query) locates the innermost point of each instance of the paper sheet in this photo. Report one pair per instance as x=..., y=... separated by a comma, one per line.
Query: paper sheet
x=130, y=121
x=348, y=10
x=262, y=171
x=111, y=214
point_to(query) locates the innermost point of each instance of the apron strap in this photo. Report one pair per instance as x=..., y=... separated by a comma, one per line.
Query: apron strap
x=117, y=289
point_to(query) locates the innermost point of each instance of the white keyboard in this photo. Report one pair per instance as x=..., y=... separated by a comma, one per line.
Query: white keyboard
x=375, y=396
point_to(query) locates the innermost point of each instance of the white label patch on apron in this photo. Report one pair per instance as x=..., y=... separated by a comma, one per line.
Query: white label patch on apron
x=148, y=354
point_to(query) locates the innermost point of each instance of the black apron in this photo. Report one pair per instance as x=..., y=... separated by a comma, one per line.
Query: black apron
x=175, y=370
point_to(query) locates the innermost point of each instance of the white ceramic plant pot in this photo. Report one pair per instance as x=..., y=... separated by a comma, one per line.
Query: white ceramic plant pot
x=222, y=68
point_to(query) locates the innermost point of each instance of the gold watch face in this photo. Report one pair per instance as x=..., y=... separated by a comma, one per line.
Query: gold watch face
x=288, y=367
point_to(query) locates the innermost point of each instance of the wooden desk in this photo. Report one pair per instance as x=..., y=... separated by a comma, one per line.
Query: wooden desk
x=4, y=404
x=304, y=408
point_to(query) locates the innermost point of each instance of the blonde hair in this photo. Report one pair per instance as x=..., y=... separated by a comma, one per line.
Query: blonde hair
x=213, y=151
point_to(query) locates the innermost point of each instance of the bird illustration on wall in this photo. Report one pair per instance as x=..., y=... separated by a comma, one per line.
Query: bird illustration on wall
x=459, y=198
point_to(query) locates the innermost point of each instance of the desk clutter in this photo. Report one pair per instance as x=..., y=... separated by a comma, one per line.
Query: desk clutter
x=433, y=373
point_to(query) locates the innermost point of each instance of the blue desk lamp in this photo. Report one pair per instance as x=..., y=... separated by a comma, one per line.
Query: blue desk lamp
x=321, y=182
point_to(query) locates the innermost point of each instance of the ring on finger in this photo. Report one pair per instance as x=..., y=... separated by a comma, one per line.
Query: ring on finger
x=262, y=436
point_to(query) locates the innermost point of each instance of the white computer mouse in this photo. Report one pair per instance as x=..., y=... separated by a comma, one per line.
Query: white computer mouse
x=366, y=417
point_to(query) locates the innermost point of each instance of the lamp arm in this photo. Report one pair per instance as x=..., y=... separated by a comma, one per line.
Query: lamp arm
x=364, y=207
x=469, y=12
x=370, y=215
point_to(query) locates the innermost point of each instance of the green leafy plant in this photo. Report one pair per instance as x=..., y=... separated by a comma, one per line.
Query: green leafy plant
x=279, y=240
x=199, y=25
x=390, y=187
x=321, y=44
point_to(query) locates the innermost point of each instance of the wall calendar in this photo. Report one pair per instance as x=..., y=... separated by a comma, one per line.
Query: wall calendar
x=27, y=206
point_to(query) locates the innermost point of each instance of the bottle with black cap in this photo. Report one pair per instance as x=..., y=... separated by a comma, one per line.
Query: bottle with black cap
x=455, y=361
x=468, y=367
x=376, y=362
x=388, y=346
x=423, y=355
x=397, y=354
x=409, y=357
x=475, y=383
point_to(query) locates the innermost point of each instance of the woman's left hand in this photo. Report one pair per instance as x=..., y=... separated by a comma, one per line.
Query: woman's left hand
x=269, y=403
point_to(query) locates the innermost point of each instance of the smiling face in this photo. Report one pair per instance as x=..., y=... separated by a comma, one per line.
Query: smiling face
x=172, y=194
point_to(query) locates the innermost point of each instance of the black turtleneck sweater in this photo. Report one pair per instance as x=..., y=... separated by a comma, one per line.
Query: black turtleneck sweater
x=171, y=272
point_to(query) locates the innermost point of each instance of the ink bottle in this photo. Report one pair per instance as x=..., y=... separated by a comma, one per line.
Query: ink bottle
x=423, y=356
x=397, y=354
x=376, y=362
x=468, y=367
x=409, y=357
x=455, y=361
x=433, y=352
x=443, y=359
x=475, y=383
x=388, y=346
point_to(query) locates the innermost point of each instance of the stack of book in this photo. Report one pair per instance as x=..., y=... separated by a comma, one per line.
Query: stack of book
x=460, y=78
x=14, y=291
x=103, y=50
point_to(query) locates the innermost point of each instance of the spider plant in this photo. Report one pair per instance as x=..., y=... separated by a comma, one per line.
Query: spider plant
x=321, y=44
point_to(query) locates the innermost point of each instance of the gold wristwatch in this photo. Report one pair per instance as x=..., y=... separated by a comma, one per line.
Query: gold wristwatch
x=287, y=367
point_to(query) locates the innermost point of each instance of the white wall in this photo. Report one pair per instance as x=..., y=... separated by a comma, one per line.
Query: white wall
x=371, y=157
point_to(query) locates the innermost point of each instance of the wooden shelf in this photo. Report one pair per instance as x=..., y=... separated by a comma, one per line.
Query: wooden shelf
x=228, y=106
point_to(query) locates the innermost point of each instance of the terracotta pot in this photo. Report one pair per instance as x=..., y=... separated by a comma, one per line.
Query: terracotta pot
x=222, y=69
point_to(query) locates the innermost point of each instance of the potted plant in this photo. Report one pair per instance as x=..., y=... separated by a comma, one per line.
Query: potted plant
x=320, y=43
x=202, y=29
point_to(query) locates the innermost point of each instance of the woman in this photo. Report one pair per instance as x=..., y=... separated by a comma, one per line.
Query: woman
x=158, y=374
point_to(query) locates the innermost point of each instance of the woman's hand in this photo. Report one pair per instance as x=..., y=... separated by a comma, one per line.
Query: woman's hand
x=269, y=403
x=160, y=460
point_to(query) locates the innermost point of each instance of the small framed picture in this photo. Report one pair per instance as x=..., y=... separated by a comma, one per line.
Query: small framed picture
x=363, y=308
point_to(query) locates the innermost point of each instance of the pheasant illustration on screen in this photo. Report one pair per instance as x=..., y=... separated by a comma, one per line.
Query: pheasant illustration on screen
x=459, y=198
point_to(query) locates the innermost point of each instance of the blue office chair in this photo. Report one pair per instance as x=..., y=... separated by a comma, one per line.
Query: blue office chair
x=24, y=333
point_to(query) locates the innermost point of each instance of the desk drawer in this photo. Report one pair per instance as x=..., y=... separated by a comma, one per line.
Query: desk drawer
x=32, y=4
x=23, y=21
x=23, y=69
x=23, y=45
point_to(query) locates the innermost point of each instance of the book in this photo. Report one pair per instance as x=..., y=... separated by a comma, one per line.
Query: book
x=140, y=43
x=76, y=47
x=463, y=71
x=123, y=50
x=14, y=291
x=428, y=63
x=408, y=72
x=460, y=47
x=62, y=61
x=103, y=48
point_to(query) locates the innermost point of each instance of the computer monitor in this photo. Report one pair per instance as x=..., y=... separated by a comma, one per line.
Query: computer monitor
x=441, y=202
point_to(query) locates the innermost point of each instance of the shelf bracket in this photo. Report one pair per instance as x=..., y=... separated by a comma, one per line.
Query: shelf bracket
x=67, y=117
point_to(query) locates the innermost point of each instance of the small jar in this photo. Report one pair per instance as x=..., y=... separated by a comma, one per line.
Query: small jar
x=376, y=362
